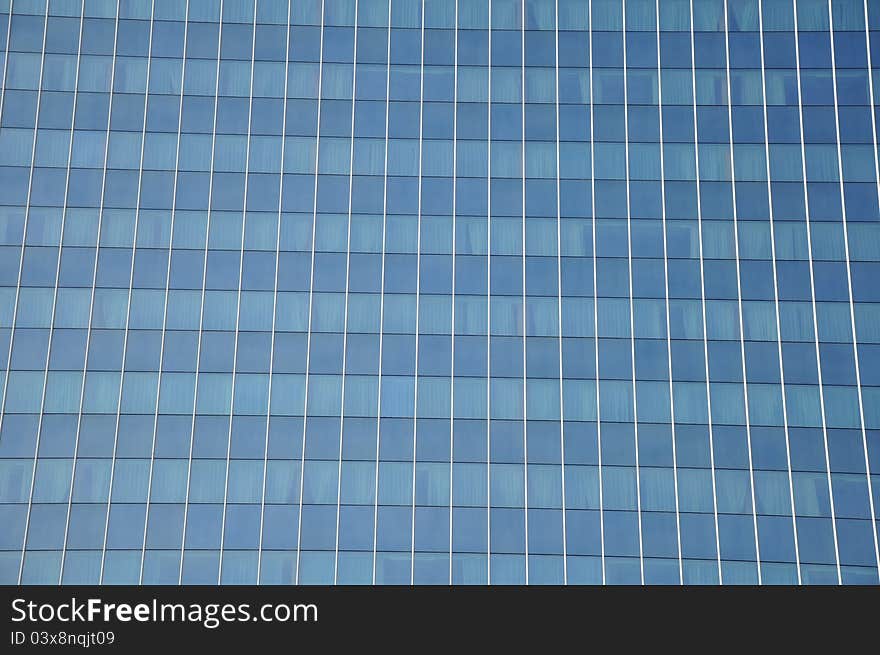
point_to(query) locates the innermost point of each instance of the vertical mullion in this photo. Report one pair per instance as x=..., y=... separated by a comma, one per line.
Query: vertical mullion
x=171, y=246
x=776, y=289
x=171, y=251
x=524, y=299
x=345, y=310
x=30, y=178
x=488, y=303
x=6, y=58
x=57, y=282
x=137, y=214
x=238, y=299
x=24, y=230
x=20, y=264
x=739, y=294
x=632, y=325
x=311, y=293
x=852, y=314
x=18, y=295
x=274, y=297
x=668, y=333
x=94, y=289
x=596, y=301
x=452, y=330
x=204, y=287
x=559, y=300
x=812, y=289
x=703, y=286
x=412, y=560
x=381, y=282
x=877, y=181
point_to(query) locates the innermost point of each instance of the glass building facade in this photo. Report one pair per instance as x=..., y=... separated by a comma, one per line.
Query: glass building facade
x=439, y=291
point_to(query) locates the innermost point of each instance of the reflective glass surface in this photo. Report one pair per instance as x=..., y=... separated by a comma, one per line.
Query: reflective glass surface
x=439, y=291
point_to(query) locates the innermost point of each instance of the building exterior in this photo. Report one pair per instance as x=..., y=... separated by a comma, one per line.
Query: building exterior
x=509, y=292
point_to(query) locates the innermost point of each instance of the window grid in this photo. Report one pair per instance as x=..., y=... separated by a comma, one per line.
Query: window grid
x=697, y=336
